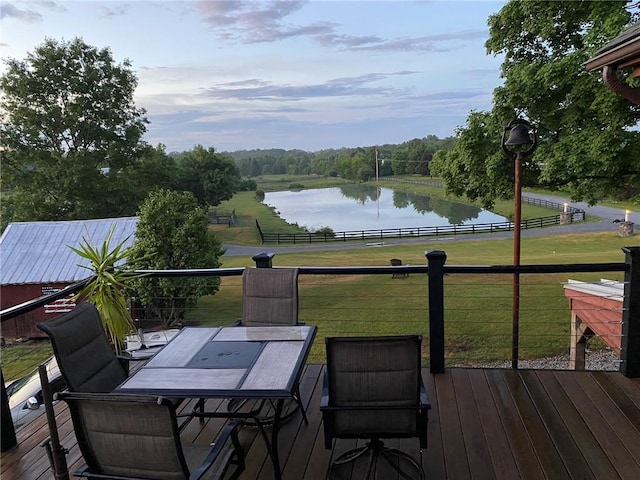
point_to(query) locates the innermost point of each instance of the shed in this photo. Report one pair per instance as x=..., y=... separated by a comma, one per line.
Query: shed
x=35, y=260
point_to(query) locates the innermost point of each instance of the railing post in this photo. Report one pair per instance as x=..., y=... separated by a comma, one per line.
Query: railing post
x=435, y=263
x=8, y=440
x=263, y=260
x=630, y=354
x=55, y=451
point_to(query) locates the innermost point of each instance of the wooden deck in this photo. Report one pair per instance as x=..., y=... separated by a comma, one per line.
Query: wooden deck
x=484, y=424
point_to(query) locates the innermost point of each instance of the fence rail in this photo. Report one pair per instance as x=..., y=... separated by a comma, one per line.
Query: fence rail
x=415, y=232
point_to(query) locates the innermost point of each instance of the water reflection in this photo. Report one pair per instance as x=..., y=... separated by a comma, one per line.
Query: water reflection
x=365, y=207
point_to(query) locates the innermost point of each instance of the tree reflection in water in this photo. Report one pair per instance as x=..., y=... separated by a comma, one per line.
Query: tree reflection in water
x=368, y=207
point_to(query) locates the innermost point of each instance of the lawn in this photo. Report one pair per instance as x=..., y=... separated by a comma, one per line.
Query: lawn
x=477, y=307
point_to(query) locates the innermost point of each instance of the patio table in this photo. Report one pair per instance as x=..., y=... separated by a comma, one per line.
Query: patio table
x=229, y=362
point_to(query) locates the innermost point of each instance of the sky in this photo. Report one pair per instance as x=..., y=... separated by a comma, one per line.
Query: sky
x=309, y=75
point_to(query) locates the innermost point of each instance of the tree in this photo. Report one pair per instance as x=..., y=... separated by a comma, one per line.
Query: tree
x=476, y=166
x=153, y=170
x=212, y=177
x=172, y=233
x=69, y=127
x=588, y=145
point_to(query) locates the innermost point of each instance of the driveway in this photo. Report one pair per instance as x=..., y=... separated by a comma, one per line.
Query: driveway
x=606, y=216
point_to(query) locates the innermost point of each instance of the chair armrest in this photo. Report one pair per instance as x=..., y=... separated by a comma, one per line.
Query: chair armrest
x=424, y=399
x=324, y=401
x=125, y=360
x=230, y=431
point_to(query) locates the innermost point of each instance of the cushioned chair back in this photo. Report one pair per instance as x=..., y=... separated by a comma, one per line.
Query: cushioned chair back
x=127, y=435
x=86, y=359
x=269, y=296
x=371, y=372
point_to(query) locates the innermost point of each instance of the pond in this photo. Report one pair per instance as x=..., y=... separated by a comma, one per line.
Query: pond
x=367, y=207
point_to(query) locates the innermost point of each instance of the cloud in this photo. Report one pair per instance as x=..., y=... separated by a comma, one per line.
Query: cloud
x=8, y=10
x=339, y=87
x=118, y=11
x=265, y=22
x=28, y=15
x=250, y=22
x=431, y=43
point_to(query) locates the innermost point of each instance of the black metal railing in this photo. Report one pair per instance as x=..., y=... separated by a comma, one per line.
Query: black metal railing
x=431, y=287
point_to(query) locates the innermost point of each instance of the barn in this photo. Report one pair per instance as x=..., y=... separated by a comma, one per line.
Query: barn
x=35, y=260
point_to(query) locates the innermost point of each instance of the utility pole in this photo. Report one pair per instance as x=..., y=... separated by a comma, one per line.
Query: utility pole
x=377, y=168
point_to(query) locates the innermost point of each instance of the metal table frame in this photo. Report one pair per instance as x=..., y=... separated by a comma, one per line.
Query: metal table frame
x=229, y=362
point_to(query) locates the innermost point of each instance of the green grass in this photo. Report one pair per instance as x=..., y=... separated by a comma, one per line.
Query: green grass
x=276, y=183
x=20, y=359
x=478, y=307
x=632, y=204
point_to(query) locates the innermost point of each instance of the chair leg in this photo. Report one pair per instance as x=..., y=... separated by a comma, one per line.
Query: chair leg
x=351, y=455
x=386, y=453
x=377, y=450
x=297, y=397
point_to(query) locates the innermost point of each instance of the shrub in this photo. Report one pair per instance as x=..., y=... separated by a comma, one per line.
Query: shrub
x=326, y=231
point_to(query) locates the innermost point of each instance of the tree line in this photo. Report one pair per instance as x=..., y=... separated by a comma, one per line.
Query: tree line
x=358, y=164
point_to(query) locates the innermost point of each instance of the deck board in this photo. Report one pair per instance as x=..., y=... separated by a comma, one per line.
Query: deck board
x=559, y=443
x=472, y=429
x=503, y=463
x=520, y=443
x=484, y=424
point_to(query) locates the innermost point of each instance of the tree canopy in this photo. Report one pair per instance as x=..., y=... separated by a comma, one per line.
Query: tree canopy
x=588, y=139
x=172, y=233
x=212, y=177
x=69, y=128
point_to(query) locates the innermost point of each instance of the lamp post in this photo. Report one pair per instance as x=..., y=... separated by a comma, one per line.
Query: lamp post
x=518, y=146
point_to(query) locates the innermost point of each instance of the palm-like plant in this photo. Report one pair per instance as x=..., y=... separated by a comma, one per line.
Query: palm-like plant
x=106, y=288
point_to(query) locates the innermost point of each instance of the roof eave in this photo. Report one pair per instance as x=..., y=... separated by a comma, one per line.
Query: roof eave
x=622, y=56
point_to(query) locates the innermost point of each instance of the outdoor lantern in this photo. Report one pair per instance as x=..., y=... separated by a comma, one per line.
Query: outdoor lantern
x=518, y=146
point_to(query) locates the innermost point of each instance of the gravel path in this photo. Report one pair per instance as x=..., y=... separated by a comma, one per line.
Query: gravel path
x=595, y=360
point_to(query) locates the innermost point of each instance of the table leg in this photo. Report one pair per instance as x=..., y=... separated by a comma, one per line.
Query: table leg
x=273, y=451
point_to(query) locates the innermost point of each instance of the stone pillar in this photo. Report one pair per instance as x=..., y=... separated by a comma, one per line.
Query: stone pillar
x=565, y=217
x=625, y=229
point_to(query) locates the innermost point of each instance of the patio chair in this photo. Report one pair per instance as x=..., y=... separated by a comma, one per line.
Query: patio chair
x=86, y=360
x=137, y=437
x=270, y=298
x=373, y=390
x=396, y=262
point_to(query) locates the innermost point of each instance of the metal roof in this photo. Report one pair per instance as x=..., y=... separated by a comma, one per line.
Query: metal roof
x=38, y=252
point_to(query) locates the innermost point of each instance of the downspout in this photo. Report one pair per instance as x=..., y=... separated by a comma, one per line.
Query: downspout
x=612, y=81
